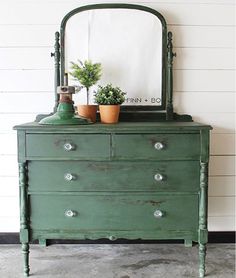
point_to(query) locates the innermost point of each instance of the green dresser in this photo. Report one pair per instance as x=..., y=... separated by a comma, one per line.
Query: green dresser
x=129, y=180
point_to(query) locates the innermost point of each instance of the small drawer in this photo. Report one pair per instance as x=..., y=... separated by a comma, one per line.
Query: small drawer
x=80, y=146
x=113, y=176
x=136, y=212
x=156, y=146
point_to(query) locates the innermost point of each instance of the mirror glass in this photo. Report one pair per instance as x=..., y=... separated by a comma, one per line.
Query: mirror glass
x=127, y=43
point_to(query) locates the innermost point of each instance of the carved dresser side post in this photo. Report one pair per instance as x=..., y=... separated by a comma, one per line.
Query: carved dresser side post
x=24, y=232
x=203, y=231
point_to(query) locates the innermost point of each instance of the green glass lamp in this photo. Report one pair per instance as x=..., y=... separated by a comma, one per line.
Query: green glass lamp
x=65, y=114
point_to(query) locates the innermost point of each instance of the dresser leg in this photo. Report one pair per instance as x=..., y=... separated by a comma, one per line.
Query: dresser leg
x=188, y=243
x=43, y=242
x=202, y=258
x=25, y=252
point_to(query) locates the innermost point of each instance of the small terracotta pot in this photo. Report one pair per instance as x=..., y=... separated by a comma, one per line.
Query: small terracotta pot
x=88, y=111
x=109, y=113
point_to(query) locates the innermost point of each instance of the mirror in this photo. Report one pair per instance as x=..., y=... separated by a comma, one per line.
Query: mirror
x=129, y=45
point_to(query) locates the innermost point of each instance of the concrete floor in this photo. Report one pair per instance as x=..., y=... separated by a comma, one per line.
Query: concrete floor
x=118, y=261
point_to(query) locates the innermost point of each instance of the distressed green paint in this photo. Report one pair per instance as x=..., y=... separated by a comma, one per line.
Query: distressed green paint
x=57, y=57
x=83, y=146
x=204, y=134
x=24, y=218
x=129, y=212
x=169, y=87
x=176, y=146
x=203, y=216
x=181, y=176
x=188, y=243
x=202, y=258
x=114, y=194
x=21, y=146
x=25, y=252
x=121, y=127
x=98, y=234
x=43, y=242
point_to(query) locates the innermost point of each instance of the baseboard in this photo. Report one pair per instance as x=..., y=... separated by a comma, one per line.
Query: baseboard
x=214, y=237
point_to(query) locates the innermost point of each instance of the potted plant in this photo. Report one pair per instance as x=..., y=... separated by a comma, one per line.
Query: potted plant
x=109, y=99
x=88, y=75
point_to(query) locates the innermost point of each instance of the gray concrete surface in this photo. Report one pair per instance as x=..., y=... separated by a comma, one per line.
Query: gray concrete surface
x=117, y=261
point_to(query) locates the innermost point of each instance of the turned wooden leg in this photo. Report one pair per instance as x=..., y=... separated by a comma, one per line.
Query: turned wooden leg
x=25, y=252
x=43, y=242
x=188, y=243
x=202, y=258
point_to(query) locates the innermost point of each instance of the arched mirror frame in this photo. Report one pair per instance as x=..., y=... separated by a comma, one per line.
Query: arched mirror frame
x=131, y=113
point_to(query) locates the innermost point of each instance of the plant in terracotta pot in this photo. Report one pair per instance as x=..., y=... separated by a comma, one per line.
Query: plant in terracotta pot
x=109, y=99
x=88, y=74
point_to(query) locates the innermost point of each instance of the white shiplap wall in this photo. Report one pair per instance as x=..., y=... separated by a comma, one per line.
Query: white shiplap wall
x=204, y=39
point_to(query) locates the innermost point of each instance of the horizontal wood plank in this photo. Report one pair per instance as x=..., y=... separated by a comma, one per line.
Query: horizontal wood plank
x=222, y=144
x=204, y=81
x=26, y=58
x=187, y=58
x=183, y=36
x=175, y=13
x=27, y=35
x=221, y=122
x=9, y=206
x=222, y=186
x=184, y=81
x=203, y=36
x=9, y=187
x=9, y=224
x=192, y=14
x=221, y=206
x=83, y=2
x=204, y=58
x=8, y=143
x=10, y=119
x=8, y=166
x=221, y=223
x=222, y=166
x=39, y=101
x=192, y=102
x=27, y=80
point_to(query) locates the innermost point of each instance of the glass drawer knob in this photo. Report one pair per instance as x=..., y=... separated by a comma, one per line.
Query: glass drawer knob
x=158, y=213
x=68, y=147
x=70, y=213
x=112, y=238
x=158, y=177
x=69, y=177
x=159, y=146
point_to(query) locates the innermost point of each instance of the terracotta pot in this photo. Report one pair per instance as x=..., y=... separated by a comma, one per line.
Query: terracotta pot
x=88, y=111
x=109, y=113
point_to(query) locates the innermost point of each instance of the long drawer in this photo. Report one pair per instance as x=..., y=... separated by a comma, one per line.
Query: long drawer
x=113, y=176
x=77, y=146
x=114, y=212
x=156, y=146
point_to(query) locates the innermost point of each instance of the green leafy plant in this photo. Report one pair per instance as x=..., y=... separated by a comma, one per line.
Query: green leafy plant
x=109, y=95
x=86, y=73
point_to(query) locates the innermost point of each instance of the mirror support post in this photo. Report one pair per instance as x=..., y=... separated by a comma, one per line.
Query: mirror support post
x=170, y=55
x=57, y=57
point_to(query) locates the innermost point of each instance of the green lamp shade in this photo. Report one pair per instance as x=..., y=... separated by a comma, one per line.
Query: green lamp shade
x=65, y=116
